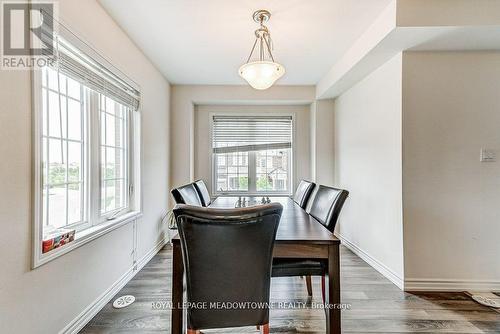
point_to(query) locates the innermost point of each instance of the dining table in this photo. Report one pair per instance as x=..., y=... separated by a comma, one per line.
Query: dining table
x=299, y=235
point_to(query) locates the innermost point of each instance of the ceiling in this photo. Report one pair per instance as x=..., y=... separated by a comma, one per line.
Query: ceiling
x=205, y=42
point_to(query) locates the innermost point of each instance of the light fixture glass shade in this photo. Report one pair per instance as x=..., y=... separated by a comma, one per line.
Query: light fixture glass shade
x=261, y=74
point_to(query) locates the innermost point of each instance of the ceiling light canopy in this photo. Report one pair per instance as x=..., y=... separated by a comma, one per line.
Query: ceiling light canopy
x=262, y=73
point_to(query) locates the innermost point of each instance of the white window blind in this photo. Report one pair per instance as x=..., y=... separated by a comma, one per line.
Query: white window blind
x=80, y=62
x=251, y=133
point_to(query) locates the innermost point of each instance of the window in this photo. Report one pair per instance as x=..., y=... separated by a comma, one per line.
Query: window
x=64, y=151
x=86, y=134
x=252, y=154
x=272, y=174
x=232, y=171
x=114, y=156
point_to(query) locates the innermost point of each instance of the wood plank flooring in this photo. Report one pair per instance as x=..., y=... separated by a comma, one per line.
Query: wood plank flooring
x=376, y=305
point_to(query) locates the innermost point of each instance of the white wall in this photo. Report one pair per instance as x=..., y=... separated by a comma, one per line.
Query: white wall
x=48, y=298
x=367, y=128
x=454, y=13
x=322, y=142
x=183, y=101
x=203, y=146
x=451, y=109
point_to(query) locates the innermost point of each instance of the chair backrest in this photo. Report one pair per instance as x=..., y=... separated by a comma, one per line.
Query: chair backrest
x=186, y=194
x=202, y=189
x=227, y=255
x=327, y=204
x=303, y=193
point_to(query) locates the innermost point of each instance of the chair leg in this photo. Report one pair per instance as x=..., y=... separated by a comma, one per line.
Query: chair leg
x=309, y=286
x=323, y=288
x=265, y=329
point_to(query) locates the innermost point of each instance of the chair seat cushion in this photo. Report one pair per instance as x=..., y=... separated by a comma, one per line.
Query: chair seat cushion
x=298, y=267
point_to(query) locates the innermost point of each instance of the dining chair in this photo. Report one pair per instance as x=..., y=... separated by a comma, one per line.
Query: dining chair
x=202, y=190
x=327, y=204
x=325, y=208
x=303, y=193
x=227, y=258
x=186, y=194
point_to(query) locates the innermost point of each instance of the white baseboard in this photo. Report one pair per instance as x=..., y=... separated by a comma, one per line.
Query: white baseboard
x=414, y=284
x=376, y=264
x=83, y=318
x=419, y=284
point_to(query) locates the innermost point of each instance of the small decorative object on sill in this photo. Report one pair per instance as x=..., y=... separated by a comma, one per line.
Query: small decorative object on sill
x=56, y=238
x=265, y=200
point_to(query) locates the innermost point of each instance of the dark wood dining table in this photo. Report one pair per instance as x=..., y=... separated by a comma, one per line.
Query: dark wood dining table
x=299, y=236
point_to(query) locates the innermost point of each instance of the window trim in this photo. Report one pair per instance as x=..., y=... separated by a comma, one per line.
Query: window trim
x=101, y=227
x=101, y=218
x=291, y=181
x=41, y=90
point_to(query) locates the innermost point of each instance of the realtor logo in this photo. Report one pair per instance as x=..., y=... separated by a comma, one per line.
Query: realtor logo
x=27, y=34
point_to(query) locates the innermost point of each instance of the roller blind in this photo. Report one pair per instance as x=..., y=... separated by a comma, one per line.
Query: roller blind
x=76, y=59
x=251, y=133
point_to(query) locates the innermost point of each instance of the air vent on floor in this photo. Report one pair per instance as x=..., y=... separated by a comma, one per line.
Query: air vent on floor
x=123, y=301
x=486, y=301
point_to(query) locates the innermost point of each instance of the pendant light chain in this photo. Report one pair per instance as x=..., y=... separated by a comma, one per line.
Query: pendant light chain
x=253, y=48
x=269, y=48
x=263, y=37
x=261, y=34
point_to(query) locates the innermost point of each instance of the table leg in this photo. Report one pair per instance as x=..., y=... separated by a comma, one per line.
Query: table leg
x=177, y=274
x=333, y=295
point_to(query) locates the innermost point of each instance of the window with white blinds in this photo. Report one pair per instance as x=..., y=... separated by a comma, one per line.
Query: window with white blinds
x=251, y=154
x=86, y=148
x=82, y=68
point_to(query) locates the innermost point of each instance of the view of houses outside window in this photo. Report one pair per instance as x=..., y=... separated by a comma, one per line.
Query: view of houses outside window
x=232, y=171
x=271, y=170
x=252, y=154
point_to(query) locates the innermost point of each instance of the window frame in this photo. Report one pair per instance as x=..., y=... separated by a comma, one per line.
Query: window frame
x=84, y=223
x=95, y=226
x=102, y=217
x=252, y=191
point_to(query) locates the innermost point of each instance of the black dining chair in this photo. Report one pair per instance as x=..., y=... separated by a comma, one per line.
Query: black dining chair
x=187, y=194
x=327, y=204
x=325, y=208
x=202, y=190
x=303, y=193
x=227, y=256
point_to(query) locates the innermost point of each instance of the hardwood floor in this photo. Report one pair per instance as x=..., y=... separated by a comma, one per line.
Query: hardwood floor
x=376, y=305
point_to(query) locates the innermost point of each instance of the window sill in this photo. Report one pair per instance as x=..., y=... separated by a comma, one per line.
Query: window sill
x=87, y=235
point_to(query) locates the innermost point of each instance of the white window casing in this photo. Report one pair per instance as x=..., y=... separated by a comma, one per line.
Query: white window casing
x=102, y=132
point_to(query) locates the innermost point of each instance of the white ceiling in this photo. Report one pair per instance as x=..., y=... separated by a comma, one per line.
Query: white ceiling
x=205, y=42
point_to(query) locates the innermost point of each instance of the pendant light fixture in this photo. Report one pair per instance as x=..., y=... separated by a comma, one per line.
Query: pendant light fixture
x=262, y=73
